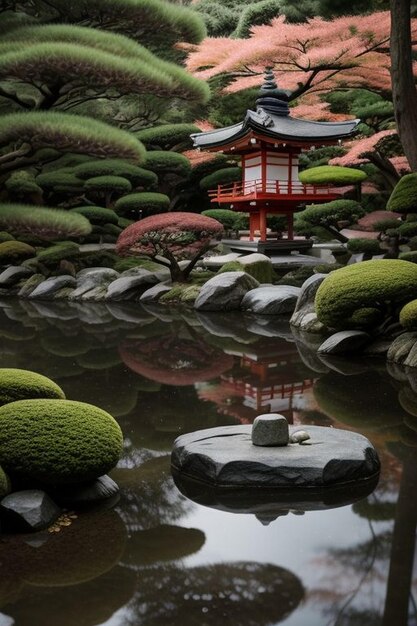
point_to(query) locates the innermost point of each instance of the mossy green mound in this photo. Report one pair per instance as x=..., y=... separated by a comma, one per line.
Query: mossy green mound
x=357, y=296
x=16, y=384
x=15, y=251
x=408, y=315
x=332, y=174
x=404, y=197
x=262, y=271
x=57, y=441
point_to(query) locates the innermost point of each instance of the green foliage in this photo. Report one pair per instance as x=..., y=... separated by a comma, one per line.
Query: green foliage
x=331, y=213
x=15, y=252
x=57, y=441
x=221, y=177
x=52, y=256
x=383, y=225
x=356, y=296
x=408, y=314
x=366, y=246
x=69, y=133
x=407, y=229
x=97, y=258
x=167, y=162
x=115, y=167
x=409, y=256
x=20, y=219
x=220, y=19
x=97, y=215
x=167, y=136
x=16, y=384
x=21, y=183
x=332, y=174
x=61, y=179
x=262, y=271
x=296, y=278
x=228, y=218
x=127, y=264
x=319, y=156
x=257, y=13
x=404, y=197
x=6, y=237
x=115, y=184
x=148, y=202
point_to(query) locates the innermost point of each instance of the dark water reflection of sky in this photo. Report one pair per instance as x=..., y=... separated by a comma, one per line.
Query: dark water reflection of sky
x=160, y=559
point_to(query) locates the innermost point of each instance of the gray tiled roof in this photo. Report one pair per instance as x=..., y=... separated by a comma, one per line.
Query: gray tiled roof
x=276, y=126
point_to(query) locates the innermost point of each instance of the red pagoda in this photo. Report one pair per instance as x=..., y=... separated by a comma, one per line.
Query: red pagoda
x=269, y=142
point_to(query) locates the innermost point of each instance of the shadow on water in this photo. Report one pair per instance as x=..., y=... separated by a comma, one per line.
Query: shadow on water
x=161, y=558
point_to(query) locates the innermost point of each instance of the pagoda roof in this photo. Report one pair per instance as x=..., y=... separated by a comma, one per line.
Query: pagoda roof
x=278, y=127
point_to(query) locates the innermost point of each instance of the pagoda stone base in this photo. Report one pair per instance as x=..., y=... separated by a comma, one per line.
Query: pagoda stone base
x=274, y=246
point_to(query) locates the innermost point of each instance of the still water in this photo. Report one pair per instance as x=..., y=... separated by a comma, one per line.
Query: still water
x=160, y=559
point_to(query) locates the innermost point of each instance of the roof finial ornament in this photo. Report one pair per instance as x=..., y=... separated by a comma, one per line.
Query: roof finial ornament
x=271, y=98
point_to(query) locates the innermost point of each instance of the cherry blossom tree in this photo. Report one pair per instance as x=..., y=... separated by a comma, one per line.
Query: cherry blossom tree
x=314, y=57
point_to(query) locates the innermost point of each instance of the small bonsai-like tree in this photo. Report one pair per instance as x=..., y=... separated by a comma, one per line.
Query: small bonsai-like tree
x=330, y=216
x=170, y=238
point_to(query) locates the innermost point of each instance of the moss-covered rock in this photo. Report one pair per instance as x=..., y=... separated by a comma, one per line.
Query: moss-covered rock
x=57, y=441
x=16, y=384
x=404, y=197
x=356, y=296
x=262, y=271
x=55, y=254
x=15, y=251
x=6, y=236
x=408, y=315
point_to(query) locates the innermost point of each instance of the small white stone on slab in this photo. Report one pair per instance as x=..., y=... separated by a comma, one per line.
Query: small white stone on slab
x=270, y=429
x=299, y=436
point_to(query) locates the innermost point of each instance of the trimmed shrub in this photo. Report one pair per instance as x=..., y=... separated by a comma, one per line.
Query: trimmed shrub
x=59, y=179
x=409, y=256
x=162, y=162
x=255, y=14
x=332, y=174
x=408, y=315
x=226, y=175
x=228, y=218
x=96, y=258
x=146, y=201
x=404, y=196
x=97, y=215
x=22, y=220
x=16, y=384
x=58, y=441
x=383, y=225
x=53, y=255
x=167, y=136
x=407, y=229
x=297, y=277
x=357, y=296
x=116, y=167
x=368, y=247
x=106, y=184
x=15, y=252
x=21, y=182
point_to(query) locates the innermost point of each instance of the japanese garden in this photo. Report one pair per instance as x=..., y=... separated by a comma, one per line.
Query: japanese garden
x=208, y=312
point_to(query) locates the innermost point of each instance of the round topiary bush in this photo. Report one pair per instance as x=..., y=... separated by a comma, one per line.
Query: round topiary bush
x=332, y=174
x=18, y=384
x=359, y=295
x=115, y=184
x=15, y=252
x=226, y=217
x=147, y=201
x=409, y=256
x=221, y=177
x=368, y=247
x=404, y=196
x=54, y=254
x=115, y=167
x=97, y=215
x=408, y=315
x=57, y=441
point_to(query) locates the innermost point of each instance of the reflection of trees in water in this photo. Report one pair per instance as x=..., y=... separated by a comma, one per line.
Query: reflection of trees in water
x=250, y=594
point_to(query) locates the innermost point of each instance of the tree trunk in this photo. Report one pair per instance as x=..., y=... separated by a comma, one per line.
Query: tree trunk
x=404, y=91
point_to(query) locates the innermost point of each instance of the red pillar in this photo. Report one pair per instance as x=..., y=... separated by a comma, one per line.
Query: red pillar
x=253, y=224
x=262, y=224
x=290, y=229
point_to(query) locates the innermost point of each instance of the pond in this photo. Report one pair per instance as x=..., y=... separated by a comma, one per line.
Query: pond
x=159, y=558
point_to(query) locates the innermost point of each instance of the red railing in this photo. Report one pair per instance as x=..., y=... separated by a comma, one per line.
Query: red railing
x=258, y=188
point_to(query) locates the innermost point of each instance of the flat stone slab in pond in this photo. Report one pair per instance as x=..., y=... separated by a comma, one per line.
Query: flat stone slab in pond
x=226, y=457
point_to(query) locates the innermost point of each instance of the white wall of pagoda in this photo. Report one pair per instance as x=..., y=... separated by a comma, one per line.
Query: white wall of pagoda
x=271, y=172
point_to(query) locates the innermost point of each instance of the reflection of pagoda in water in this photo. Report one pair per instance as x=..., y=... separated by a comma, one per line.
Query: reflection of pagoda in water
x=267, y=378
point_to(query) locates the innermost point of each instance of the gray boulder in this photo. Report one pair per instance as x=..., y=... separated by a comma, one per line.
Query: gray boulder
x=344, y=342
x=401, y=346
x=90, y=279
x=275, y=300
x=47, y=289
x=270, y=429
x=411, y=360
x=30, y=285
x=224, y=292
x=102, y=488
x=29, y=510
x=130, y=287
x=154, y=293
x=304, y=316
x=13, y=274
